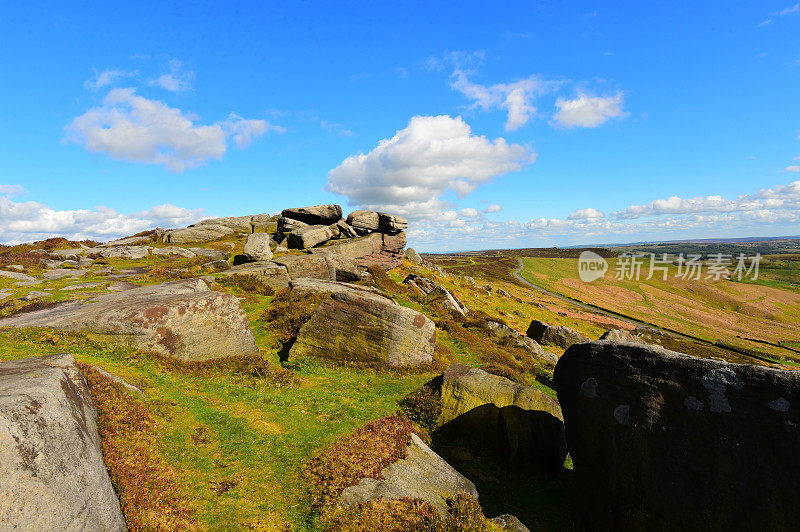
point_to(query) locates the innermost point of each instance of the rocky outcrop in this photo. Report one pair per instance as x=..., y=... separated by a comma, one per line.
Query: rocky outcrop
x=126, y=252
x=556, y=335
x=317, y=286
x=239, y=224
x=422, y=474
x=364, y=222
x=181, y=319
x=621, y=335
x=52, y=475
x=270, y=274
x=198, y=233
x=391, y=224
x=518, y=425
x=412, y=255
x=213, y=254
x=287, y=225
x=174, y=250
x=313, y=235
x=366, y=328
x=316, y=215
x=257, y=247
x=436, y=293
x=390, y=254
x=665, y=441
x=312, y=266
x=520, y=340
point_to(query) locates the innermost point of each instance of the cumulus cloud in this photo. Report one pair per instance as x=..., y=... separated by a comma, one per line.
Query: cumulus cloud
x=494, y=208
x=29, y=221
x=133, y=128
x=12, y=190
x=587, y=214
x=409, y=172
x=176, y=80
x=107, y=77
x=588, y=111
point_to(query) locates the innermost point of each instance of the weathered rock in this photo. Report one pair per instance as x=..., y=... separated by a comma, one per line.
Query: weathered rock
x=35, y=294
x=17, y=276
x=263, y=223
x=435, y=292
x=345, y=230
x=273, y=275
x=81, y=286
x=126, y=252
x=59, y=273
x=257, y=247
x=52, y=475
x=520, y=340
x=287, y=225
x=316, y=215
x=621, y=335
x=239, y=224
x=509, y=523
x=422, y=474
x=391, y=253
x=367, y=329
x=556, y=335
x=318, y=286
x=213, y=254
x=126, y=241
x=520, y=426
x=353, y=249
x=665, y=441
x=181, y=319
x=198, y=233
x=312, y=266
x=215, y=266
x=364, y=222
x=308, y=237
x=412, y=255
x=174, y=250
x=391, y=224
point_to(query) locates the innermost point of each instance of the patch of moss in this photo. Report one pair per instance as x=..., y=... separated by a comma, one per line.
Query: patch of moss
x=289, y=311
x=245, y=284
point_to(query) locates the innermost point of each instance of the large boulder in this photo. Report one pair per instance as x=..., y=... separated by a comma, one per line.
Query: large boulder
x=180, y=319
x=287, y=225
x=213, y=254
x=501, y=330
x=52, y=475
x=621, y=335
x=366, y=328
x=257, y=247
x=665, y=441
x=364, y=222
x=174, y=250
x=557, y=335
x=353, y=249
x=312, y=266
x=436, y=293
x=263, y=223
x=126, y=252
x=422, y=474
x=412, y=255
x=316, y=215
x=198, y=233
x=240, y=224
x=313, y=235
x=268, y=273
x=391, y=224
x=390, y=255
x=519, y=425
x=304, y=286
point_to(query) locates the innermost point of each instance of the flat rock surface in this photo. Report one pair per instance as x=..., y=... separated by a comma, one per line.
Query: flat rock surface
x=52, y=475
x=665, y=441
x=273, y=275
x=181, y=319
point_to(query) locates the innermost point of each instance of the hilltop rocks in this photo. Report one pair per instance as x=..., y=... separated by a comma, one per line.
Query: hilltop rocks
x=239, y=224
x=621, y=335
x=316, y=215
x=268, y=273
x=308, y=237
x=435, y=292
x=520, y=340
x=391, y=224
x=365, y=328
x=661, y=440
x=257, y=247
x=317, y=286
x=556, y=335
x=174, y=250
x=313, y=266
x=126, y=252
x=364, y=222
x=422, y=474
x=198, y=233
x=413, y=256
x=213, y=254
x=287, y=225
x=52, y=475
x=520, y=426
x=181, y=319
x=17, y=276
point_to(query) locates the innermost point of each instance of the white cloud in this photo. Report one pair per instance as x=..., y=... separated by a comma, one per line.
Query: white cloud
x=494, y=208
x=107, y=77
x=765, y=22
x=29, y=221
x=409, y=172
x=588, y=111
x=469, y=212
x=133, y=128
x=12, y=190
x=587, y=214
x=336, y=129
x=793, y=168
x=176, y=80
x=791, y=10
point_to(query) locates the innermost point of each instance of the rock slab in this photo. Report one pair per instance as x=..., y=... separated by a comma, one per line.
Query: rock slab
x=180, y=319
x=665, y=441
x=52, y=475
x=557, y=335
x=257, y=247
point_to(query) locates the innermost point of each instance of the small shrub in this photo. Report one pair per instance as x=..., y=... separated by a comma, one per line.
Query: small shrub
x=362, y=454
x=245, y=283
x=424, y=405
x=289, y=311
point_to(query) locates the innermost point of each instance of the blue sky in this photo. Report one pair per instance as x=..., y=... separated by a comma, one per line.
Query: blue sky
x=502, y=125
